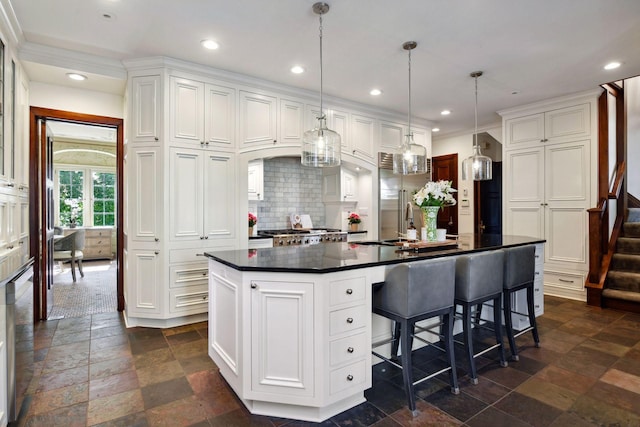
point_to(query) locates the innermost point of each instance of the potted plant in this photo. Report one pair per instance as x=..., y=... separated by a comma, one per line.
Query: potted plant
x=252, y=221
x=354, y=220
x=430, y=199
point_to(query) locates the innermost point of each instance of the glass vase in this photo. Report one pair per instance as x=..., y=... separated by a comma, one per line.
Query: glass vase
x=430, y=221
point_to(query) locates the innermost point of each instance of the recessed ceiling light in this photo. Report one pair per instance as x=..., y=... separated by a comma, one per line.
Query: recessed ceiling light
x=76, y=76
x=445, y=112
x=612, y=65
x=209, y=44
x=435, y=130
x=375, y=92
x=297, y=69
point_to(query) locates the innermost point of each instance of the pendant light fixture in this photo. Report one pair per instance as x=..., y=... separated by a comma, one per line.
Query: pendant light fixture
x=410, y=158
x=477, y=166
x=320, y=145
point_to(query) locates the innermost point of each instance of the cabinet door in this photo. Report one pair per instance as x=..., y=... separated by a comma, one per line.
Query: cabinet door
x=220, y=116
x=524, y=186
x=144, y=194
x=349, y=186
x=219, y=194
x=391, y=136
x=143, y=283
x=567, y=198
x=145, y=108
x=363, y=136
x=258, y=119
x=525, y=131
x=339, y=122
x=291, y=122
x=282, y=335
x=569, y=123
x=185, y=194
x=186, y=115
x=256, y=180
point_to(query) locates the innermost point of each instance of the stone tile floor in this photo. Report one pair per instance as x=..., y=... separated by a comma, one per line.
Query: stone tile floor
x=92, y=371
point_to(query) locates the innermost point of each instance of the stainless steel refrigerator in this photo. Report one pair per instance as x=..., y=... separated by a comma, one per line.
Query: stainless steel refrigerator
x=396, y=207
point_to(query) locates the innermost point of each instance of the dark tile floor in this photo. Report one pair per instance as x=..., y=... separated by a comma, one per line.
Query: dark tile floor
x=92, y=371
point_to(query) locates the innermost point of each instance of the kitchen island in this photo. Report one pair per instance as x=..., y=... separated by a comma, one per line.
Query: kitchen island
x=291, y=327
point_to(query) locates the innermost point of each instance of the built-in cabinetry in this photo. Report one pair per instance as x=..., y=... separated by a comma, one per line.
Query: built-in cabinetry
x=339, y=185
x=4, y=395
x=549, y=183
x=255, y=183
x=292, y=345
x=97, y=242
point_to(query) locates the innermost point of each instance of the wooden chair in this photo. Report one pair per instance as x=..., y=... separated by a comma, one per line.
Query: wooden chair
x=69, y=248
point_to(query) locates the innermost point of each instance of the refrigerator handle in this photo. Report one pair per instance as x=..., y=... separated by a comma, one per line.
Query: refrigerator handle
x=401, y=206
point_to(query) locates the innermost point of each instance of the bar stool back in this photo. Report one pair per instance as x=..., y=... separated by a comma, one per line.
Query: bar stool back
x=479, y=278
x=413, y=292
x=519, y=273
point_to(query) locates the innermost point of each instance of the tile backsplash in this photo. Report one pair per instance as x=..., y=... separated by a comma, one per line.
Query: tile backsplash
x=289, y=188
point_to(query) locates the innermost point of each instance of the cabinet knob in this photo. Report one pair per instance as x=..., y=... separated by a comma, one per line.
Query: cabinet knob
x=10, y=184
x=156, y=252
x=537, y=273
x=254, y=286
x=349, y=291
x=206, y=143
x=349, y=319
x=204, y=274
x=204, y=297
x=350, y=350
x=537, y=305
x=275, y=141
x=156, y=138
x=353, y=152
x=206, y=237
x=201, y=142
x=201, y=237
x=536, y=290
x=349, y=377
x=156, y=239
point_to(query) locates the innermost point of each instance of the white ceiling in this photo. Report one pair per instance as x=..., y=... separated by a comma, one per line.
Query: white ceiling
x=539, y=49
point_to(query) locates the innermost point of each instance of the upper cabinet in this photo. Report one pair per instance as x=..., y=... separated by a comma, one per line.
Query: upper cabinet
x=291, y=126
x=339, y=185
x=201, y=114
x=339, y=122
x=391, y=136
x=560, y=125
x=146, y=106
x=258, y=119
x=255, y=182
x=363, y=140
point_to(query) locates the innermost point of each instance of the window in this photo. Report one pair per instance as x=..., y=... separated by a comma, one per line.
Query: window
x=88, y=202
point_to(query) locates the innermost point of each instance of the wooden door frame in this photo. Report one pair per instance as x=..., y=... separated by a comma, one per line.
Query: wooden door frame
x=453, y=160
x=35, y=204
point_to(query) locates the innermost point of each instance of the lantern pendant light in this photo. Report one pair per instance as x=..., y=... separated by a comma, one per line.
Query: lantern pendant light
x=477, y=166
x=410, y=158
x=321, y=146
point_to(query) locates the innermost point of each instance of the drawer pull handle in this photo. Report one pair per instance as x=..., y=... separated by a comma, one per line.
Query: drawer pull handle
x=204, y=274
x=537, y=273
x=349, y=291
x=350, y=350
x=537, y=305
x=537, y=256
x=565, y=280
x=204, y=298
x=349, y=377
x=349, y=319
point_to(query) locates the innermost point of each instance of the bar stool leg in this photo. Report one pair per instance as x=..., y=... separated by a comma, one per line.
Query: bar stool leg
x=468, y=341
x=447, y=329
x=509, y=325
x=407, y=372
x=532, y=316
x=497, y=323
x=395, y=344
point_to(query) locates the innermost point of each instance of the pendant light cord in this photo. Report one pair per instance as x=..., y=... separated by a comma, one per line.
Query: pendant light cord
x=409, y=117
x=321, y=82
x=475, y=135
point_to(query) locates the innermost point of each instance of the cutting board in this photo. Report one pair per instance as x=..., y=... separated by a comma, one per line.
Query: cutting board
x=427, y=246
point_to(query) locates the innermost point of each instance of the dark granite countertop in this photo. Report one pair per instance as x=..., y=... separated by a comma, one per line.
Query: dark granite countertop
x=331, y=257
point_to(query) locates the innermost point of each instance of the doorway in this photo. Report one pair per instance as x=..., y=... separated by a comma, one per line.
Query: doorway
x=45, y=213
x=488, y=202
x=446, y=168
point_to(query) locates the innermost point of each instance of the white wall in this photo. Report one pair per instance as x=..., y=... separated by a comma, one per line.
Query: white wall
x=463, y=145
x=75, y=100
x=632, y=97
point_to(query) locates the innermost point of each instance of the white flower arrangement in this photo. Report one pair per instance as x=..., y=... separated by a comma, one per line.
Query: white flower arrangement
x=435, y=193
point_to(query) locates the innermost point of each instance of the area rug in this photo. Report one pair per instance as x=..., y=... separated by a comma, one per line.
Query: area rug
x=94, y=293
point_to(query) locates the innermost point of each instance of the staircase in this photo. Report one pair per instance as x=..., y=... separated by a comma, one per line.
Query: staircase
x=622, y=286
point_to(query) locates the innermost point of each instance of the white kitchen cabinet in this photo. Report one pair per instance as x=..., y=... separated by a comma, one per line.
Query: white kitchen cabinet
x=339, y=185
x=145, y=213
x=519, y=298
x=4, y=398
x=391, y=136
x=201, y=192
x=144, y=285
x=338, y=121
x=364, y=137
x=282, y=338
x=201, y=114
x=146, y=107
x=258, y=119
x=291, y=127
x=558, y=125
x=549, y=183
x=255, y=182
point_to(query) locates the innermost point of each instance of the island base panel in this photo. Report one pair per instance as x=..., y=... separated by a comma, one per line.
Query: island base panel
x=303, y=413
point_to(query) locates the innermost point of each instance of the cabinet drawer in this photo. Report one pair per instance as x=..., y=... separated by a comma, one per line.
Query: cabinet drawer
x=564, y=280
x=92, y=232
x=182, y=276
x=347, y=319
x=97, y=241
x=348, y=290
x=189, y=301
x=188, y=255
x=351, y=376
x=97, y=252
x=348, y=349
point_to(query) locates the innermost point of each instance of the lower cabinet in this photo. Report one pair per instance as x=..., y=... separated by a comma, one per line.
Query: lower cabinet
x=519, y=299
x=292, y=345
x=144, y=284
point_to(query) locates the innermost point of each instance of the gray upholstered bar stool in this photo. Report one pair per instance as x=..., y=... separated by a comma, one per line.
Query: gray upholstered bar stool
x=519, y=273
x=413, y=292
x=478, y=279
